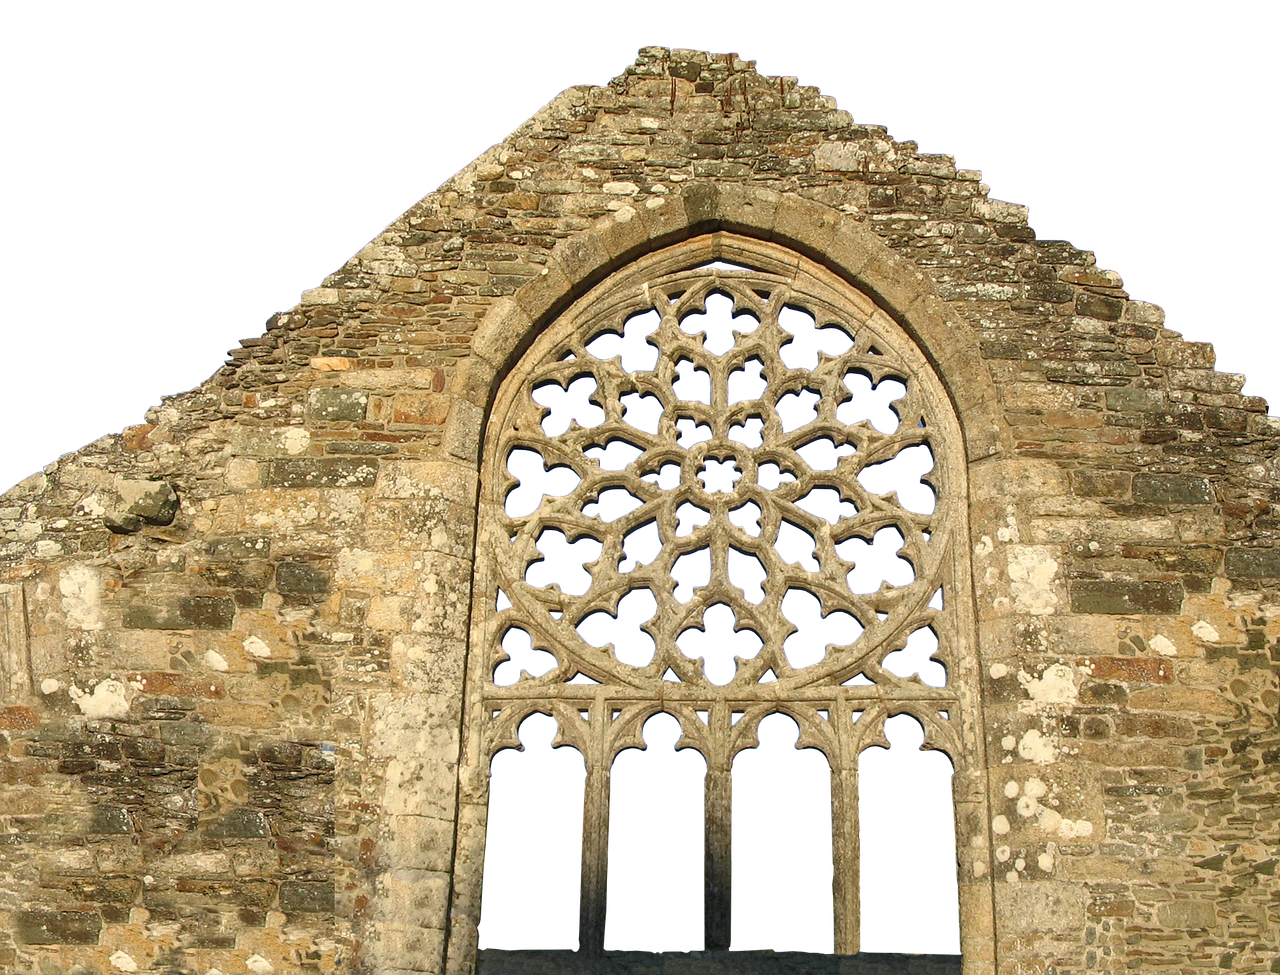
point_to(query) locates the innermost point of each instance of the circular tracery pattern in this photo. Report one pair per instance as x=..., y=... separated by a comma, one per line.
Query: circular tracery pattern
x=694, y=497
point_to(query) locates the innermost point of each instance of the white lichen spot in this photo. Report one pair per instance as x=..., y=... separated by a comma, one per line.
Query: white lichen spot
x=1011, y=789
x=1012, y=877
x=1009, y=533
x=50, y=685
x=1162, y=645
x=1027, y=807
x=1071, y=828
x=1003, y=853
x=997, y=671
x=1000, y=825
x=1035, y=747
x=259, y=965
x=123, y=962
x=984, y=546
x=214, y=660
x=107, y=700
x=92, y=506
x=1032, y=569
x=1035, y=788
x=257, y=647
x=1055, y=686
x=1204, y=631
x=1050, y=820
x=295, y=440
x=81, y=588
x=1045, y=860
x=979, y=868
x=1020, y=864
x=1008, y=742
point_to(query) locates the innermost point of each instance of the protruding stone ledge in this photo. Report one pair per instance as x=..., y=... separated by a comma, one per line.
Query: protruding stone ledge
x=138, y=502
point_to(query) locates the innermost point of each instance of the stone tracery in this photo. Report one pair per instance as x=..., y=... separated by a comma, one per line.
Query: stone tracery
x=720, y=491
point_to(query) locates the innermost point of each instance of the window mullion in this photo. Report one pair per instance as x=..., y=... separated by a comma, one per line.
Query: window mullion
x=595, y=836
x=718, y=845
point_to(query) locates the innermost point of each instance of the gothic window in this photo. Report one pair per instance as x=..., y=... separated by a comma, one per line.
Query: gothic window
x=721, y=489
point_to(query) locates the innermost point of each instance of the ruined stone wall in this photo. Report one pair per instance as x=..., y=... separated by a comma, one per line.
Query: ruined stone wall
x=231, y=700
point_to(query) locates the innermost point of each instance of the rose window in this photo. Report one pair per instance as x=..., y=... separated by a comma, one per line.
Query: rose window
x=725, y=456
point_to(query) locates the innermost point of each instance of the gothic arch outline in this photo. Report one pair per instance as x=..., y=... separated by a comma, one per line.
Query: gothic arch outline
x=739, y=225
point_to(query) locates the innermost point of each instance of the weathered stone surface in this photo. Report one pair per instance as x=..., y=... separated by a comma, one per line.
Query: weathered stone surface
x=300, y=577
x=321, y=472
x=136, y=502
x=337, y=403
x=1135, y=399
x=1124, y=597
x=297, y=897
x=58, y=927
x=1253, y=563
x=1188, y=914
x=182, y=613
x=239, y=824
x=1172, y=489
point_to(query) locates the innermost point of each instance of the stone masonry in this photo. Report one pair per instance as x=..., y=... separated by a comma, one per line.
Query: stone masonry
x=233, y=638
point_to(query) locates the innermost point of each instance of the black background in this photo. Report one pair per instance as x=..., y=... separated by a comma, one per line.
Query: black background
x=176, y=193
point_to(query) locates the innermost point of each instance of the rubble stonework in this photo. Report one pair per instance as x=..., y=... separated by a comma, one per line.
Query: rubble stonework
x=233, y=638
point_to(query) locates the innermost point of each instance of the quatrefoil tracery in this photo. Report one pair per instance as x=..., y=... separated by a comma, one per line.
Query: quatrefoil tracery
x=720, y=470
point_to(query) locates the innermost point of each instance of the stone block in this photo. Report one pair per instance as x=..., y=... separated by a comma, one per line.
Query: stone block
x=1172, y=489
x=1130, y=670
x=58, y=927
x=304, y=897
x=1121, y=597
x=335, y=403
x=181, y=613
x=420, y=409
x=110, y=819
x=418, y=843
x=1253, y=563
x=462, y=431
x=238, y=824
x=1101, y=484
x=310, y=472
x=1099, y=306
x=1041, y=907
x=238, y=547
x=1188, y=915
x=302, y=578
x=1189, y=699
x=1129, y=399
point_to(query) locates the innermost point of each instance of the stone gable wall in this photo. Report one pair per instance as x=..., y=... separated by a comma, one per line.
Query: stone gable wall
x=232, y=637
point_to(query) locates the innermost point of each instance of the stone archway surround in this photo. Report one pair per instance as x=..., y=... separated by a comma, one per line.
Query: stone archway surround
x=724, y=220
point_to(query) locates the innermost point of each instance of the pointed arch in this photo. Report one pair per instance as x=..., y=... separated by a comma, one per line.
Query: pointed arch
x=538, y=344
